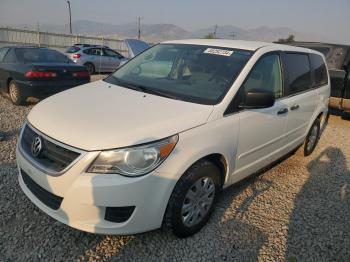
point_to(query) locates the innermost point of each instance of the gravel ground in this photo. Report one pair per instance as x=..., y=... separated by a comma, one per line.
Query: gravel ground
x=297, y=210
x=97, y=77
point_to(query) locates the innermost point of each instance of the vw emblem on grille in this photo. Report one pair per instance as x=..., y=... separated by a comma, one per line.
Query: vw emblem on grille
x=37, y=146
x=64, y=70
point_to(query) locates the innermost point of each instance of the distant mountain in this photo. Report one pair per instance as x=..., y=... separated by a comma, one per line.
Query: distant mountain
x=149, y=32
x=159, y=32
x=264, y=33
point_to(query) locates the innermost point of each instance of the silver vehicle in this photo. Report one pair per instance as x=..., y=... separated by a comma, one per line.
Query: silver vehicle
x=103, y=59
x=95, y=58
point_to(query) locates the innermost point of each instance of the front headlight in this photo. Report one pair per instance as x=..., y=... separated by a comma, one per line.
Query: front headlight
x=134, y=161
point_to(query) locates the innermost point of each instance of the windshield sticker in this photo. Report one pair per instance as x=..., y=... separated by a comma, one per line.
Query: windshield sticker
x=215, y=51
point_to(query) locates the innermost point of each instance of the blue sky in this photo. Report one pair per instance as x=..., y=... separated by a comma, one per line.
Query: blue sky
x=325, y=17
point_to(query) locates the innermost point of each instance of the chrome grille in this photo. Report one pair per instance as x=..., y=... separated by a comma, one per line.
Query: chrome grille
x=53, y=157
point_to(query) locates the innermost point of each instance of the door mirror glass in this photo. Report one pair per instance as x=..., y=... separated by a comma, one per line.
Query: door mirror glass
x=258, y=98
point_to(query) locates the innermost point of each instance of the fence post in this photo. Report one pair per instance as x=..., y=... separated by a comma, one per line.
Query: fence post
x=38, y=31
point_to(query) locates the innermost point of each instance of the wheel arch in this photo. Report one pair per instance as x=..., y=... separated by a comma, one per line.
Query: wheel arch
x=90, y=63
x=8, y=81
x=322, y=114
x=220, y=162
x=218, y=159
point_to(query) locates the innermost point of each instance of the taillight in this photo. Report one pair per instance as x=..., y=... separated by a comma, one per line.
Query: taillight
x=76, y=56
x=81, y=74
x=40, y=74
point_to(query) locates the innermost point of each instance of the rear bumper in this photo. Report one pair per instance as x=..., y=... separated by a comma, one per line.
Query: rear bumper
x=42, y=89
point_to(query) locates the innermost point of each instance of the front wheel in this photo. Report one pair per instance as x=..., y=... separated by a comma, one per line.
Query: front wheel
x=15, y=94
x=312, y=138
x=193, y=199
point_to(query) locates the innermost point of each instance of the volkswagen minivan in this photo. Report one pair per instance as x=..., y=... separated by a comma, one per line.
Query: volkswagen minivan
x=154, y=143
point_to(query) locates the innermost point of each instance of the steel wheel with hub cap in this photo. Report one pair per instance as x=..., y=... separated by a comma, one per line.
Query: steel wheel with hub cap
x=15, y=93
x=312, y=138
x=193, y=199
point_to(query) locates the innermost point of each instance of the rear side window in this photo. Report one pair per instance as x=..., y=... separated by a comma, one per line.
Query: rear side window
x=40, y=55
x=72, y=50
x=320, y=70
x=298, y=73
x=3, y=52
x=93, y=51
x=110, y=52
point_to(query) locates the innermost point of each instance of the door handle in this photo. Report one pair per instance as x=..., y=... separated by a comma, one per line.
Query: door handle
x=282, y=111
x=294, y=107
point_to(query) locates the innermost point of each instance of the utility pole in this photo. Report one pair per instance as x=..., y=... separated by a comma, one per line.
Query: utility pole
x=70, y=18
x=38, y=32
x=139, y=28
x=233, y=35
x=215, y=29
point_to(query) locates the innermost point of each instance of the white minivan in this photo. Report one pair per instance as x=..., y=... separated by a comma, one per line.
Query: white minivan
x=154, y=143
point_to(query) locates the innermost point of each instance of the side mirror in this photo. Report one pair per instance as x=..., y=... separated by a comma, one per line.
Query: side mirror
x=258, y=98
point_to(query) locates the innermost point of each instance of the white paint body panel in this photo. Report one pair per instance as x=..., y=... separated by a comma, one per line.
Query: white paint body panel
x=99, y=116
x=95, y=117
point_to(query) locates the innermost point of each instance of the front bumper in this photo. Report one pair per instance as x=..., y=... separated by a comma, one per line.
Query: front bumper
x=86, y=196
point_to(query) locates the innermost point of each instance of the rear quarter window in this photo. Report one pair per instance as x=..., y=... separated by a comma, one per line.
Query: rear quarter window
x=320, y=70
x=10, y=57
x=88, y=51
x=298, y=72
x=3, y=52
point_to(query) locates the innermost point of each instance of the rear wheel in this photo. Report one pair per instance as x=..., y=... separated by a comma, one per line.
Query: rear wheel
x=312, y=138
x=90, y=68
x=15, y=94
x=193, y=199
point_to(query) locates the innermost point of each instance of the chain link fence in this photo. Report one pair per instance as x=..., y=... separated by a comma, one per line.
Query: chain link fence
x=14, y=36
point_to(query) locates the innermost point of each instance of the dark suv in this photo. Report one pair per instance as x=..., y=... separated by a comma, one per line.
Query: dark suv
x=338, y=61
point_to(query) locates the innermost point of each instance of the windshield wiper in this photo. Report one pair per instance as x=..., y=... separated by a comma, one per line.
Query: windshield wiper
x=155, y=92
x=144, y=89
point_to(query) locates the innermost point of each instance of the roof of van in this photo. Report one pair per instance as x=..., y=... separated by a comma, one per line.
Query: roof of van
x=238, y=44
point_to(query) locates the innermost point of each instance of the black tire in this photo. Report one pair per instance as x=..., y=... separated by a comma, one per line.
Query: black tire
x=312, y=138
x=202, y=171
x=15, y=94
x=90, y=68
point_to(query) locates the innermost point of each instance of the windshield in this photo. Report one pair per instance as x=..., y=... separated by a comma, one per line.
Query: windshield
x=193, y=73
x=40, y=55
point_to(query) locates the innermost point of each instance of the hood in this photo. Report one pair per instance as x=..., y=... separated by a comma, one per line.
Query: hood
x=100, y=115
x=135, y=46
